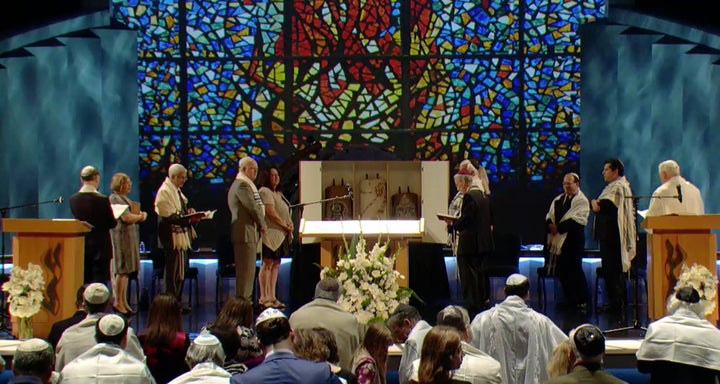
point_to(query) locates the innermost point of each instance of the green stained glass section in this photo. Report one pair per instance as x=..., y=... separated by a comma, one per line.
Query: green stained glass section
x=462, y=94
x=240, y=96
x=552, y=92
x=242, y=29
x=334, y=28
x=496, y=151
x=156, y=153
x=552, y=26
x=450, y=27
x=159, y=96
x=551, y=154
x=158, y=22
x=342, y=95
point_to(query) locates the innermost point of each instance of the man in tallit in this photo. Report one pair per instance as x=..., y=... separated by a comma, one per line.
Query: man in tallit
x=682, y=347
x=247, y=224
x=481, y=181
x=175, y=232
x=679, y=196
x=615, y=232
x=566, y=220
x=512, y=333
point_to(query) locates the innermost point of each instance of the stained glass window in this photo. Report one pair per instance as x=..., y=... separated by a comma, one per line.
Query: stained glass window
x=551, y=154
x=158, y=22
x=157, y=152
x=159, y=98
x=552, y=96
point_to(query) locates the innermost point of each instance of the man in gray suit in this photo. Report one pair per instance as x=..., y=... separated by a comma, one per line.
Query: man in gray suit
x=325, y=312
x=248, y=223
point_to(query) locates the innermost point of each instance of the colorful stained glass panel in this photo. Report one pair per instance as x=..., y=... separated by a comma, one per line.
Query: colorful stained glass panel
x=551, y=154
x=159, y=98
x=156, y=153
x=552, y=92
x=158, y=21
x=552, y=26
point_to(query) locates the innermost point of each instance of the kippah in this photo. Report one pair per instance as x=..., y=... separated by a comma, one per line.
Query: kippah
x=88, y=171
x=33, y=345
x=111, y=325
x=205, y=338
x=688, y=295
x=588, y=340
x=466, y=172
x=269, y=314
x=96, y=293
x=515, y=279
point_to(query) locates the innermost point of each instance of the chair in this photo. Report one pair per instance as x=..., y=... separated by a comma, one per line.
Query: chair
x=191, y=276
x=505, y=260
x=225, y=268
x=158, y=265
x=543, y=274
x=636, y=275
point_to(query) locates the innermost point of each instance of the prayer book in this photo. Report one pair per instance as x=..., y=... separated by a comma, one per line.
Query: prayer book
x=445, y=216
x=119, y=209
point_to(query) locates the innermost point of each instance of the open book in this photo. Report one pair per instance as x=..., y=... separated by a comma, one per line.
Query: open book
x=445, y=216
x=119, y=209
x=202, y=214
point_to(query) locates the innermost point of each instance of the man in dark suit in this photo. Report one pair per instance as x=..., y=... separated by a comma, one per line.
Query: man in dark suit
x=474, y=242
x=60, y=326
x=282, y=366
x=248, y=222
x=93, y=207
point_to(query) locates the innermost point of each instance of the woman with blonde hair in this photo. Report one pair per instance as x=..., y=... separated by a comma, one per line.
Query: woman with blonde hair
x=125, y=239
x=562, y=360
x=370, y=362
x=441, y=354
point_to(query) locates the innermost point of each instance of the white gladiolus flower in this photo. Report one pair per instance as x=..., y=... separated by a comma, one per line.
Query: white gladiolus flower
x=25, y=290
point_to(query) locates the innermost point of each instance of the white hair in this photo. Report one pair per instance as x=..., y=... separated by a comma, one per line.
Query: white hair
x=480, y=177
x=670, y=167
x=245, y=162
x=176, y=169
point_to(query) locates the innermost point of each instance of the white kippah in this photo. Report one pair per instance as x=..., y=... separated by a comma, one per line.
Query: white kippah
x=96, y=293
x=33, y=345
x=268, y=314
x=111, y=325
x=88, y=171
x=515, y=279
x=206, y=339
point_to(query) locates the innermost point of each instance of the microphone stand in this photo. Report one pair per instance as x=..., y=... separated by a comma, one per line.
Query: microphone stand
x=3, y=276
x=636, y=302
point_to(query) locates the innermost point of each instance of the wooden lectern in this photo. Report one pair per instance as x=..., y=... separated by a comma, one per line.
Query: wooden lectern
x=332, y=233
x=57, y=246
x=674, y=241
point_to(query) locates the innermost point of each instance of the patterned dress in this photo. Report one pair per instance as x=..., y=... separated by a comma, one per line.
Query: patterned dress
x=125, y=238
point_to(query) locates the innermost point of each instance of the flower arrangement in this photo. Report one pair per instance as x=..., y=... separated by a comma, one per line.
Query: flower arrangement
x=369, y=284
x=704, y=281
x=25, y=295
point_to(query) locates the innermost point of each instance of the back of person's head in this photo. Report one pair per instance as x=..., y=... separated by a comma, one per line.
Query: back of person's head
x=236, y=311
x=588, y=342
x=377, y=340
x=117, y=181
x=401, y=321
x=111, y=329
x=164, y=320
x=562, y=359
x=328, y=288
x=687, y=297
x=88, y=173
x=34, y=357
x=328, y=338
x=272, y=327
x=670, y=167
x=468, y=165
x=248, y=347
x=308, y=345
x=616, y=165
x=96, y=298
x=457, y=317
x=517, y=285
x=205, y=348
x=439, y=355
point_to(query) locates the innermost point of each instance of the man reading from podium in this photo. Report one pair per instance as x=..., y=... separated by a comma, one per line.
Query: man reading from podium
x=676, y=196
x=615, y=231
x=174, y=228
x=93, y=207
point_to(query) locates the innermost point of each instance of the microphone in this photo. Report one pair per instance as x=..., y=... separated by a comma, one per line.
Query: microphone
x=60, y=199
x=679, y=191
x=349, y=191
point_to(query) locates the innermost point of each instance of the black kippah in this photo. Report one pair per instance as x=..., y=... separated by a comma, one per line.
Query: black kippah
x=688, y=295
x=589, y=341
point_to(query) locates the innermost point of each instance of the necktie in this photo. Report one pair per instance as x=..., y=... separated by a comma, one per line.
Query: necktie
x=182, y=203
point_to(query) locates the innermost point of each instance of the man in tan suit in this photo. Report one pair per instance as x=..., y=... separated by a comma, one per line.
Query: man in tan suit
x=248, y=222
x=325, y=312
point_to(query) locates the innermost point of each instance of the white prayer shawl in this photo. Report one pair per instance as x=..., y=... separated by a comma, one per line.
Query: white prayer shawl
x=519, y=338
x=683, y=338
x=616, y=192
x=578, y=212
x=167, y=203
x=412, y=349
x=692, y=203
x=204, y=373
x=106, y=363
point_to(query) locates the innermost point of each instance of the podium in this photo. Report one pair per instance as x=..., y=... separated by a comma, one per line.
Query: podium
x=57, y=246
x=331, y=234
x=674, y=241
